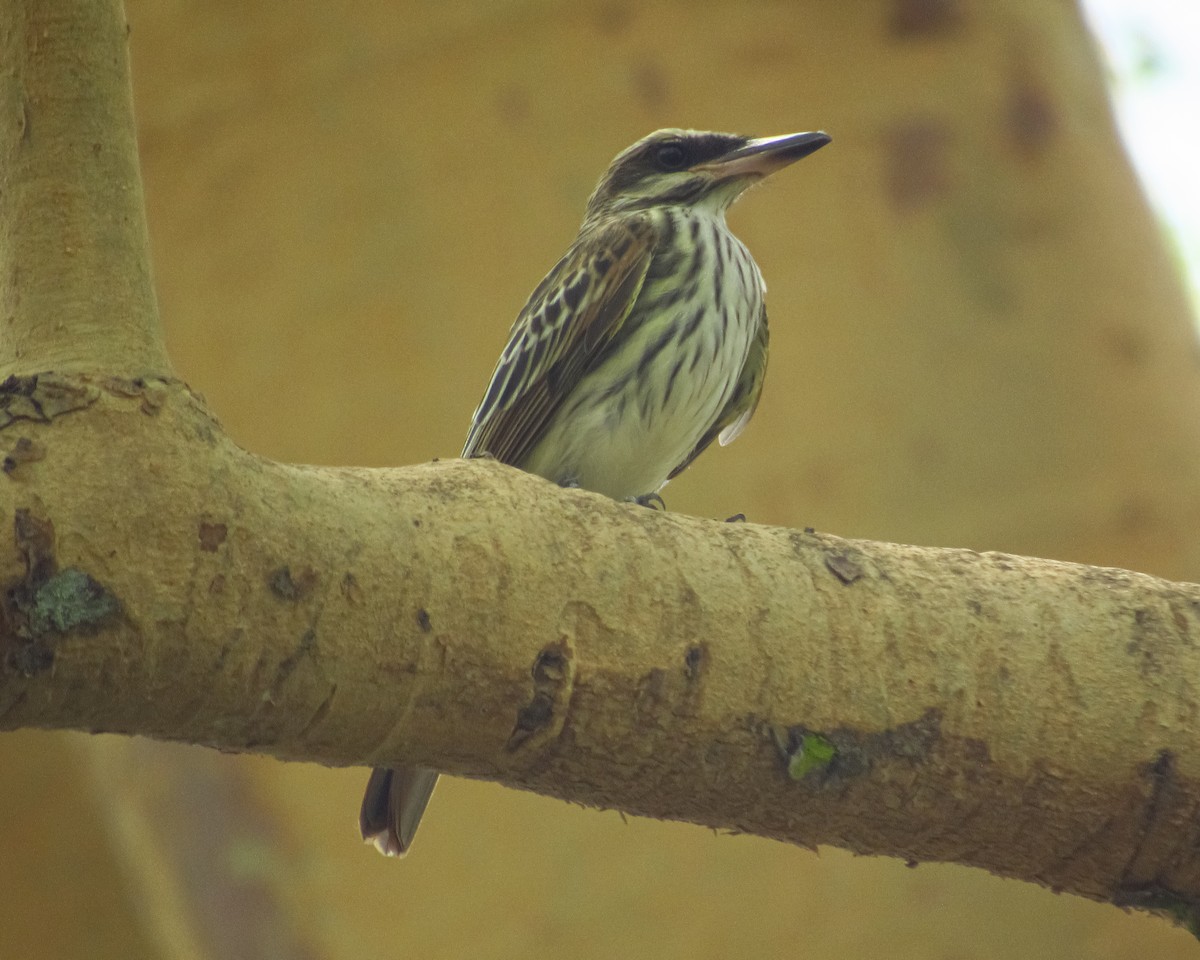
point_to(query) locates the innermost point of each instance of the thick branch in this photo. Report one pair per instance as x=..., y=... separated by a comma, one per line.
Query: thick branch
x=1031, y=717
x=75, y=285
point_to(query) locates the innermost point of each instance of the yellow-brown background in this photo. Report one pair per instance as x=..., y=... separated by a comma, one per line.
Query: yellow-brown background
x=977, y=341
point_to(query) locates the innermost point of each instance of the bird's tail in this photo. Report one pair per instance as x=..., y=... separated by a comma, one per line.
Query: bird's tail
x=392, y=807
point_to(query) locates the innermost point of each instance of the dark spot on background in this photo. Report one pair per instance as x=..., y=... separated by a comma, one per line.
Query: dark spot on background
x=513, y=104
x=765, y=51
x=614, y=18
x=1135, y=515
x=929, y=453
x=916, y=153
x=1125, y=345
x=1030, y=119
x=650, y=84
x=917, y=19
x=423, y=620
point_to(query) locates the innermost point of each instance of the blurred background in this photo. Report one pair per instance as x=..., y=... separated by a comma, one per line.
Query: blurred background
x=982, y=337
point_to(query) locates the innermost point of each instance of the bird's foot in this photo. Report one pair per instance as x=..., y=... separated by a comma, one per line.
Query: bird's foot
x=651, y=500
x=736, y=518
x=569, y=483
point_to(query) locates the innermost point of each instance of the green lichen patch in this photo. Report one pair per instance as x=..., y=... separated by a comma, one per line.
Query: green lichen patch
x=814, y=752
x=70, y=600
x=828, y=757
x=46, y=602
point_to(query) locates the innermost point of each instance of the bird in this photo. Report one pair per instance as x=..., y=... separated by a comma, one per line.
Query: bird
x=646, y=342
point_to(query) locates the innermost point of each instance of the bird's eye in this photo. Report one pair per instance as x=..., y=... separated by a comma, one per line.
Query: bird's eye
x=670, y=156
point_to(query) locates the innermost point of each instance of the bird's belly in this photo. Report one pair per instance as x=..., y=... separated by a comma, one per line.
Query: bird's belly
x=620, y=457
x=624, y=429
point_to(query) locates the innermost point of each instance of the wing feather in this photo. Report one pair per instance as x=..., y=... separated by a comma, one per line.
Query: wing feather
x=564, y=327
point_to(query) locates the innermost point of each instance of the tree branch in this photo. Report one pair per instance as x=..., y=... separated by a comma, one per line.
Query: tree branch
x=1027, y=716
x=75, y=283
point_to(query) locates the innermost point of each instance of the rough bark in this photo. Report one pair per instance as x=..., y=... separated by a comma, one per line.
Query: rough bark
x=1028, y=716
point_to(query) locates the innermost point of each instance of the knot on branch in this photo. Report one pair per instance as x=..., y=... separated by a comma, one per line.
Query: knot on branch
x=553, y=675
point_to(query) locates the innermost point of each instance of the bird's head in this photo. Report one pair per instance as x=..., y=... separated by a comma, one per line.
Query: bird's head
x=694, y=168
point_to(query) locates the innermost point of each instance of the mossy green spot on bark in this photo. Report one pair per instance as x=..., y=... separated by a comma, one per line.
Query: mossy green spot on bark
x=813, y=753
x=70, y=599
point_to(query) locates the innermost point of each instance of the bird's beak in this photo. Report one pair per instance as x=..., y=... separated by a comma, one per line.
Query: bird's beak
x=762, y=157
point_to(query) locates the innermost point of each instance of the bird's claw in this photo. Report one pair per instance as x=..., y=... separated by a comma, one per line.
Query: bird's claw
x=651, y=500
x=736, y=518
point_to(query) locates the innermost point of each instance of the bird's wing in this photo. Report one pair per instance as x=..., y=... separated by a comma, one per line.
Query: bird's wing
x=570, y=318
x=742, y=403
